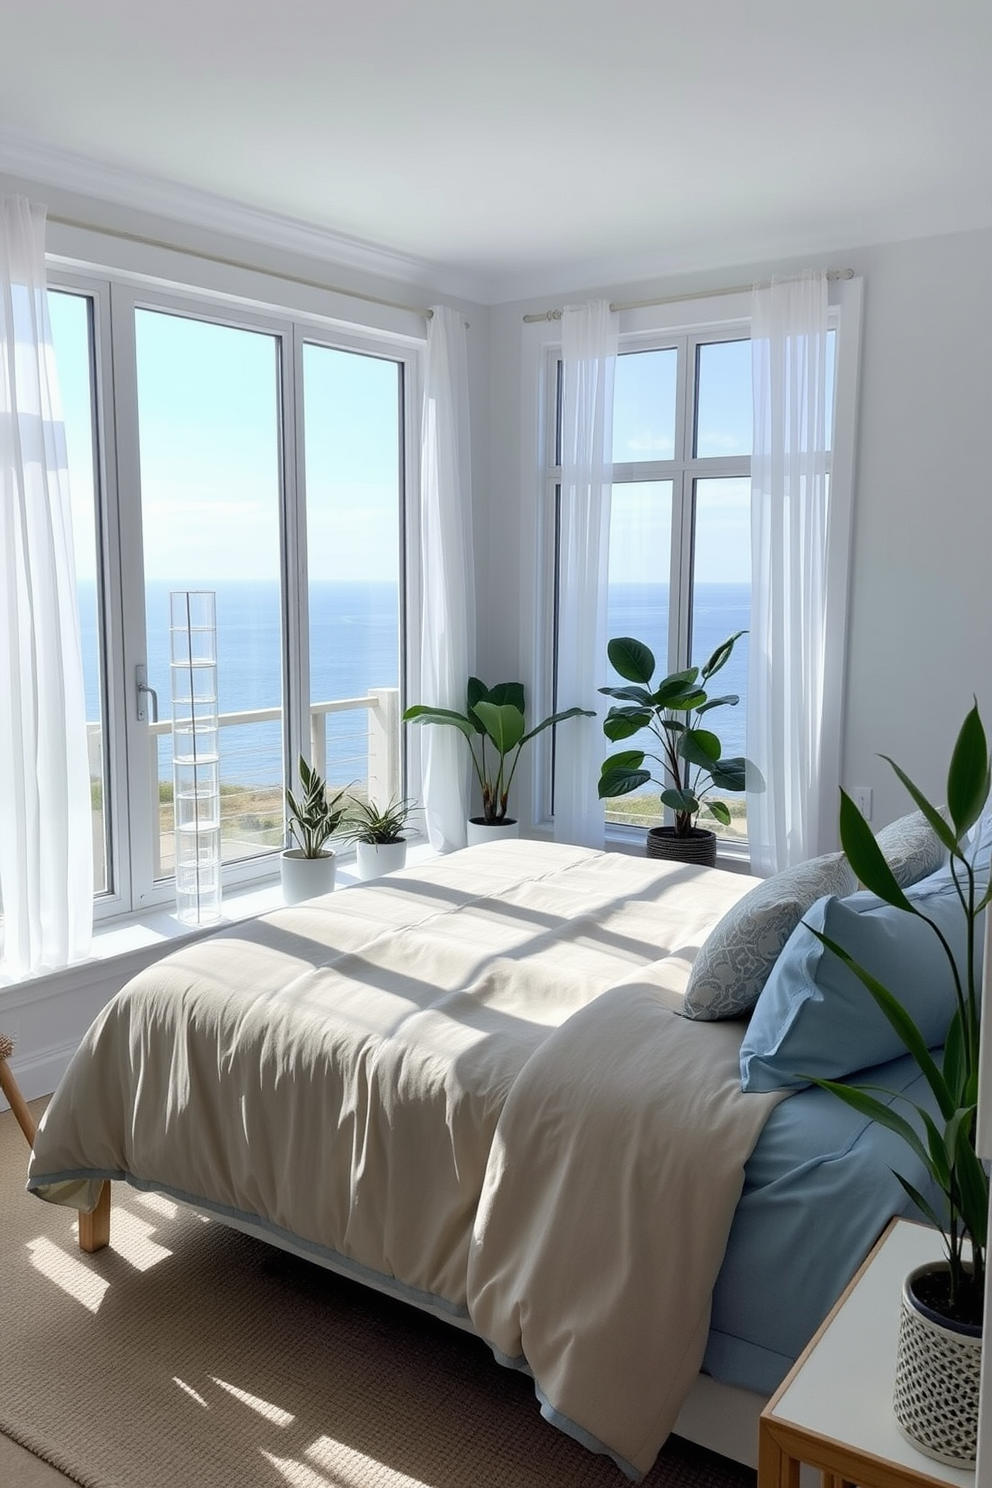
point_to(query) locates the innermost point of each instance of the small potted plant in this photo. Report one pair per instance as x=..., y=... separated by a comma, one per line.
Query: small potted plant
x=494, y=725
x=313, y=816
x=940, y=1339
x=689, y=754
x=377, y=832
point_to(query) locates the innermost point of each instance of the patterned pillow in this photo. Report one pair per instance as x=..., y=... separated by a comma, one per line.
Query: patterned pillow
x=911, y=848
x=737, y=956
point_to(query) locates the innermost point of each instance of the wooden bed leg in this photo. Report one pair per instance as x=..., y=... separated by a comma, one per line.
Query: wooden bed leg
x=94, y=1228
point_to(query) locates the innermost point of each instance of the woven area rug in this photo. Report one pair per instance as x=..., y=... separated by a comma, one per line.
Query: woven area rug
x=189, y=1354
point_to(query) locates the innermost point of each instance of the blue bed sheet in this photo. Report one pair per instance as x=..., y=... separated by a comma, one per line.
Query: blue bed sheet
x=819, y=1189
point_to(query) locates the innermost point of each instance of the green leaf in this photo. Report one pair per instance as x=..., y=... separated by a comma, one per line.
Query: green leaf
x=699, y=747
x=477, y=692
x=556, y=718
x=730, y=774
x=629, y=695
x=631, y=659
x=677, y=685
x=921, y=1203
x=507, y=693
x=943, y=829
x=868, y=1105
x=865, y=856
x=900, y=1020
x=680, y=800
x=731, y=698
x=717, y=809
x=685, y=701
x=504, y=724
x=421, y=713
x=623, y=723
x=721, y=655
x=620, y=782
x=968, y=775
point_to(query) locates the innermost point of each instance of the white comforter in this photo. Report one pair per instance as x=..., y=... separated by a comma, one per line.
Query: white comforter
x=468, y=1079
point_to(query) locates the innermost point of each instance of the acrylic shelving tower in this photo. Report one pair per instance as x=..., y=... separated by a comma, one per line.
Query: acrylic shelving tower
x=195, y=754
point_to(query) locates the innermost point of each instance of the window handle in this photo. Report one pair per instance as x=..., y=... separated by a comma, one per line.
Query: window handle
x=144, y=691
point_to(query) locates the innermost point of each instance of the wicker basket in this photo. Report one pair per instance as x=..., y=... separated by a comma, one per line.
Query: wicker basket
x=938, y=1371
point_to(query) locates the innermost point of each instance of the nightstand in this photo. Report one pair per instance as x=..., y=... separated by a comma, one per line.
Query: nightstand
x=833, y=1411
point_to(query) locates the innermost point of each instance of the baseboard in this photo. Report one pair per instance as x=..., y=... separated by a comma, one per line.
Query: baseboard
x=64, y=1003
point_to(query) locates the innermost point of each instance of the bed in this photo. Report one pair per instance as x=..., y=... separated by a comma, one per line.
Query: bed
x=475, y=1085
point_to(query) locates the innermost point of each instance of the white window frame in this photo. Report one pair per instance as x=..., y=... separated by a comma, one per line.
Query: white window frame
x=657, y=326
x=115, y=295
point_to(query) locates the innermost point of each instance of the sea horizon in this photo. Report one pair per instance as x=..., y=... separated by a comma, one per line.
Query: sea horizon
x=354, y=649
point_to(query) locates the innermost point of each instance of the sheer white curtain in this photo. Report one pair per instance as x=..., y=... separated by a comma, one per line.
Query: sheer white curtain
x=46, y=847
x=589, y=354
x=794, y=817
x=448, y=573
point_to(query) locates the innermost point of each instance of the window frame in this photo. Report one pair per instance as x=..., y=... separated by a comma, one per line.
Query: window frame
x=647, y=328
x=115, y=297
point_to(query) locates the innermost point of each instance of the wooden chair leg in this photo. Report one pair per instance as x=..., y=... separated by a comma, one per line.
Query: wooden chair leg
x=14, y=1097
x=94, y=1228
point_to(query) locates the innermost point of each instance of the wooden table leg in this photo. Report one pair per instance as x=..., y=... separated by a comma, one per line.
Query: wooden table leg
x=94, y=1228
x=775, y=1468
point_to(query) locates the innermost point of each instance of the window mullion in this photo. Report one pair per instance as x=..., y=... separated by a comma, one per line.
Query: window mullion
x=295, y=598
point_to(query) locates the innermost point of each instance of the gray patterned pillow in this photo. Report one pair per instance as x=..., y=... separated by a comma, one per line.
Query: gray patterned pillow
x=911, y=848
x=737, y=956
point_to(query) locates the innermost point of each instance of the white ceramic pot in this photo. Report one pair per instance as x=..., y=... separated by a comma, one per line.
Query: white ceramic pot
x=376, y=858
x=306, y=878
x=938, y=1372
x=479, y=830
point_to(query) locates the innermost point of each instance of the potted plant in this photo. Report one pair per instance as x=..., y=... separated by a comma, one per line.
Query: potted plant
x=377, y=832
x=689, y=755
x=939, y=1352
x=314, y=816
x=494, y=725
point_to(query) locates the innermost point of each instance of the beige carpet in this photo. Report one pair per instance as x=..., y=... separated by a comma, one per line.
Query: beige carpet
x=188, y=1354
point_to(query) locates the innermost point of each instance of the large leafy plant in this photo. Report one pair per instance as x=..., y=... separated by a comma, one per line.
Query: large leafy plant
x=314, y=814
x=689, y=754
x=944, y=1144
x=494, y=725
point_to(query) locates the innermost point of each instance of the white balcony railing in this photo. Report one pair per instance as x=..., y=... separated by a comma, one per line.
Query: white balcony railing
x=371, y=759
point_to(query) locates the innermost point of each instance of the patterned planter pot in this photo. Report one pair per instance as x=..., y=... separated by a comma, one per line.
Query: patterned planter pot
x=696, y=846
x=938, y=1370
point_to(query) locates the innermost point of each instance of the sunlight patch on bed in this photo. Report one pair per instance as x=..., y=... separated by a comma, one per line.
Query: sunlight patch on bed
x=74, y=1277
x=265, y=1408
x=351, y=1469
x=188, y=1390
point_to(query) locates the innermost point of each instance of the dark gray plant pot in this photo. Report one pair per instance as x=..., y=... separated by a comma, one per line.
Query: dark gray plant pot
x=696, y=846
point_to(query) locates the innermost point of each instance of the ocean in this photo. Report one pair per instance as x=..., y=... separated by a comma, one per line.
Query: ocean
x=354, y=647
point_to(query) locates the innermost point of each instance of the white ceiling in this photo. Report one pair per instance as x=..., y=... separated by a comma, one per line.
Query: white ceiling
x=524, y=142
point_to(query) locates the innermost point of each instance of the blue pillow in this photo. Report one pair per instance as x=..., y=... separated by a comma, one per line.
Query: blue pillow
x=815, y=1017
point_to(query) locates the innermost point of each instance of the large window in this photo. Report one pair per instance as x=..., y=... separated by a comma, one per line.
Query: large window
x=239, y=453
x=680, y=542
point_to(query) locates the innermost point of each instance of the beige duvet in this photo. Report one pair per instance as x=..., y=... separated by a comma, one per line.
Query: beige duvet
x=469, y=1079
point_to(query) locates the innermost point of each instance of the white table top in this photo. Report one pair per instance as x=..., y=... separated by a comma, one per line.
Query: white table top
x=844, y=1389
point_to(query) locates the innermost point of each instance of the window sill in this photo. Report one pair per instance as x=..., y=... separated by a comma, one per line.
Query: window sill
x=160, y=929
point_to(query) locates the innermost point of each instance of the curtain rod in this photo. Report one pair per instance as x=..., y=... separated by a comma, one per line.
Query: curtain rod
x=237, y=263
x=701, y=294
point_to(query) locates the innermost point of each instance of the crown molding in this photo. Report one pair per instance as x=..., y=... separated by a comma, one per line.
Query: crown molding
x=47, y=165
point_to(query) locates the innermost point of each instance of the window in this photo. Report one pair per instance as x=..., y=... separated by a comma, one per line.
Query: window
x=238, y=452
x=680, y=544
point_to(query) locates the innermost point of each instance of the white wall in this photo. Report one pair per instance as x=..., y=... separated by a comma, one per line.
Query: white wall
x=921, y=594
